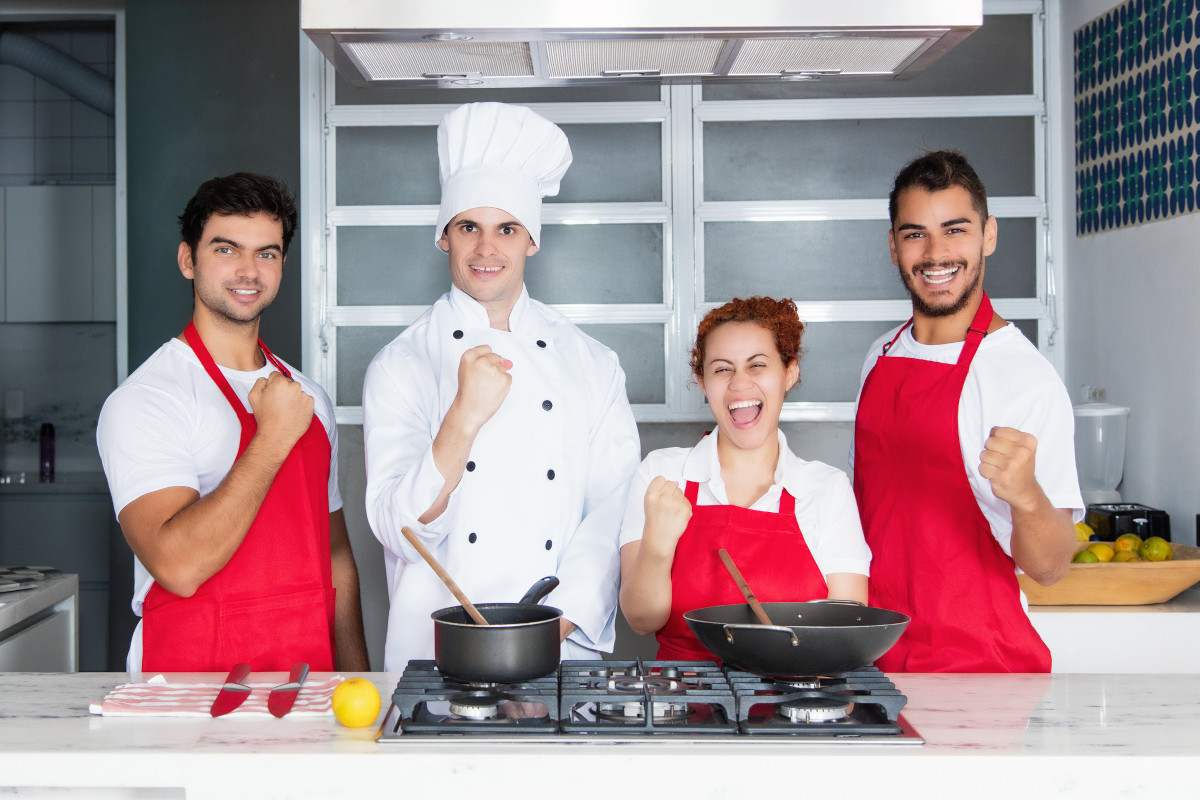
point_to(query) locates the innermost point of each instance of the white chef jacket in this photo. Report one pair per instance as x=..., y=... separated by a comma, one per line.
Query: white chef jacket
x=545, y=485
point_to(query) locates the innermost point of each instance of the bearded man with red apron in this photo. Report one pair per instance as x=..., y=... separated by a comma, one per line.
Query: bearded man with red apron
x=964, y=462
x=221, y=473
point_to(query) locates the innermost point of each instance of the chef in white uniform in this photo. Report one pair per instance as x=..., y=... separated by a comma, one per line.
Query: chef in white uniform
x=495, y=429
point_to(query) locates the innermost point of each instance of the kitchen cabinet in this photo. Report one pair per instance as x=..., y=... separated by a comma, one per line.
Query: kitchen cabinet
x=59, y=261
x=1082, y=736
x=67, y=524
x=39, y=627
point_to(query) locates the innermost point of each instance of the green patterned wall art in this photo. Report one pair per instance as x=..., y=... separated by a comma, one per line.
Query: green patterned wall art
x=1137, y=115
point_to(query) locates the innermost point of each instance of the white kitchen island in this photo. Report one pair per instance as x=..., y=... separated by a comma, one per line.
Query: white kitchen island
x=987, y=736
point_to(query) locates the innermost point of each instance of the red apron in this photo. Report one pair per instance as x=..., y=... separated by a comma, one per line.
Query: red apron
x=933, y=553
x=272, y=604
x=767, y=547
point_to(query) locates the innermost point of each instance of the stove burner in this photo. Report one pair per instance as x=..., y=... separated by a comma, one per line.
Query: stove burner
x=800, y=683
x=637, y=684
x=818, y=708
x=662, y=711
x=479, y=704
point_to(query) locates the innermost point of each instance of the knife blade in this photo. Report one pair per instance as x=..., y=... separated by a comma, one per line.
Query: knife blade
x=279, y=702
x=233, y=693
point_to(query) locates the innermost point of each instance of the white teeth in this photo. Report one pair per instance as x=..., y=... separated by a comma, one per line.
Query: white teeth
x=487, y=269
x=245, y=291
x=938, y=276
x=743, y=404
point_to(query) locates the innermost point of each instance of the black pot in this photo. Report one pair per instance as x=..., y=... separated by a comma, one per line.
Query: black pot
x=807, y=639
x=520, y=643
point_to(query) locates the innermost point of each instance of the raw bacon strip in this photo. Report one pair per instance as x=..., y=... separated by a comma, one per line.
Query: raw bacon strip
x=159, y=698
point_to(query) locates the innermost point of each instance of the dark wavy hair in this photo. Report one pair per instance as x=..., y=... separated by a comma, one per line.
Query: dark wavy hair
x=779, y=317
x=243, y=193
x=935, y=172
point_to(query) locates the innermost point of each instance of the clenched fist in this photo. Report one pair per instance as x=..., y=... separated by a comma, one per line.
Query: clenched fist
x=281, y=408
x=1007, y=461
x=667, y=515
x=483, y=383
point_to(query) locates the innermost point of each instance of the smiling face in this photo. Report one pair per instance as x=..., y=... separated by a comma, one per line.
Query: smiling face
x=745, y=381
x=939, y=242
x=488, y=248
x=236, y=268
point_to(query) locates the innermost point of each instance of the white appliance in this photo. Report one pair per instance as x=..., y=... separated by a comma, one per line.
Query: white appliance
x=483, y=43
x=1100, y=450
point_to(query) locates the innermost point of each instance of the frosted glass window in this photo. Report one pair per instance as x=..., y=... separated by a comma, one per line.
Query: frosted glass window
x=640, y=349
x=995, y=59
x=834, y=353
x=840, y=260
x=802, y=260
x=856, y=159
x=387, y=166
x=355, y=349
x=389, y=266
x=613, y=163
x=597, y=264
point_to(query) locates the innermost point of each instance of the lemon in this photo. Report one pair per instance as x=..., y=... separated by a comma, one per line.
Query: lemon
x=356, y=702
x=1103, y=550
x=1083, y=532
x=1128, y=541
x=1126, y=555
x=1085, y=557
x=1156, y=549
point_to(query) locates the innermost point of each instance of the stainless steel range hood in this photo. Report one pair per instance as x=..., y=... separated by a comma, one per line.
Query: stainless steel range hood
x=566, y=42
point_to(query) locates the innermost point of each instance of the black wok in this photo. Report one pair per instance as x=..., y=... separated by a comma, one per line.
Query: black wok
x=521, y=641
x=807, y=639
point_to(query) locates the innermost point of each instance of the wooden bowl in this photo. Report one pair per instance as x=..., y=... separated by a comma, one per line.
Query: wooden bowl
x=1132, y=583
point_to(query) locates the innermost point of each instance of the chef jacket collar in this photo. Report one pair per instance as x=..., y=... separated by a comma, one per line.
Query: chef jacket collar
x=469, y=309
x=703, y=466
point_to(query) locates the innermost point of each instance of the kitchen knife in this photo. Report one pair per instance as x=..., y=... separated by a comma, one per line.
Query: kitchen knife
x=233, y=693
x=281, y=698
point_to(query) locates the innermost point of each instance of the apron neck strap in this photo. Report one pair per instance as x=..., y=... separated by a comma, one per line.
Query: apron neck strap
x=192, y=336
x=977, y=330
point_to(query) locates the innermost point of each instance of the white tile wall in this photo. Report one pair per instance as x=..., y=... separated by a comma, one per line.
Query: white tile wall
x=45, y=135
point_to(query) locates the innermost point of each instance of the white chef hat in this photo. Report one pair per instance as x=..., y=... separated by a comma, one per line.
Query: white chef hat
x=502, y=156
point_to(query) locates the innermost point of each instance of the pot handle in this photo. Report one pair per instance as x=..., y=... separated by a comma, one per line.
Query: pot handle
x=730, y=628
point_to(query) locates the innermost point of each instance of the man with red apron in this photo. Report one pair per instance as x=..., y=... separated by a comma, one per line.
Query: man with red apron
x=239, y=556
x=936, y=520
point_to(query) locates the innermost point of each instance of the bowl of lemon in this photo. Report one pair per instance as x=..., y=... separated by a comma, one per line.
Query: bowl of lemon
x=1129, y=571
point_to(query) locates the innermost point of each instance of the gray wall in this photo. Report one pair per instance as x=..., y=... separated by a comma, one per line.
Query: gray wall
x=213, y=88
x=1132, y=327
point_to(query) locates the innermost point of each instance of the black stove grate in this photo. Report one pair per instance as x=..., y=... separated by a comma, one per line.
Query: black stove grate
x=874, y=704
x=423, y=698
x=684, y=698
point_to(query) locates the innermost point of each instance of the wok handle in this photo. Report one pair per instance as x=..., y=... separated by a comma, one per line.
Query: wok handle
x=755, y=606
x=445, y=576
x=730, y=628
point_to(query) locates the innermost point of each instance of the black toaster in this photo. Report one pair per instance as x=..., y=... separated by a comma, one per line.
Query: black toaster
x=1110, y=520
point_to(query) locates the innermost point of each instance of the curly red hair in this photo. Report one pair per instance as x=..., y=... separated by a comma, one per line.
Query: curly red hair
x=779, y=317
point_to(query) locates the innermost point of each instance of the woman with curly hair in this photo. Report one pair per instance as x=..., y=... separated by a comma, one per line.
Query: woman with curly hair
x=790, y=525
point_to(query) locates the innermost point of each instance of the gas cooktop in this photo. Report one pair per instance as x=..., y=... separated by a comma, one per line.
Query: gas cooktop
x=650, y=701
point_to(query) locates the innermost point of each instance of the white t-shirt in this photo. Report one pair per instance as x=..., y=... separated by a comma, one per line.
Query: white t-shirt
x=825, y=508
x=1009, y=384
x=169, y=425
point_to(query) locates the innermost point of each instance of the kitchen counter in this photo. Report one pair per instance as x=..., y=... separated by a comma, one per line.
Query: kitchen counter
x=39, y=626
x=1157, y=638
x=1000, y=735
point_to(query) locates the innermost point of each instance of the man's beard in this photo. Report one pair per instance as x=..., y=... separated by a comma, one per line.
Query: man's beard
x=921, y=307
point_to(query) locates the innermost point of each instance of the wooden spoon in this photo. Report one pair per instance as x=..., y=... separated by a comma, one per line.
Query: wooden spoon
x=755, y=606
x=441, y=573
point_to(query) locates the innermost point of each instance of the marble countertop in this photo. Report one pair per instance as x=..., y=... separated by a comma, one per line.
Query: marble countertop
x=988, y=735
